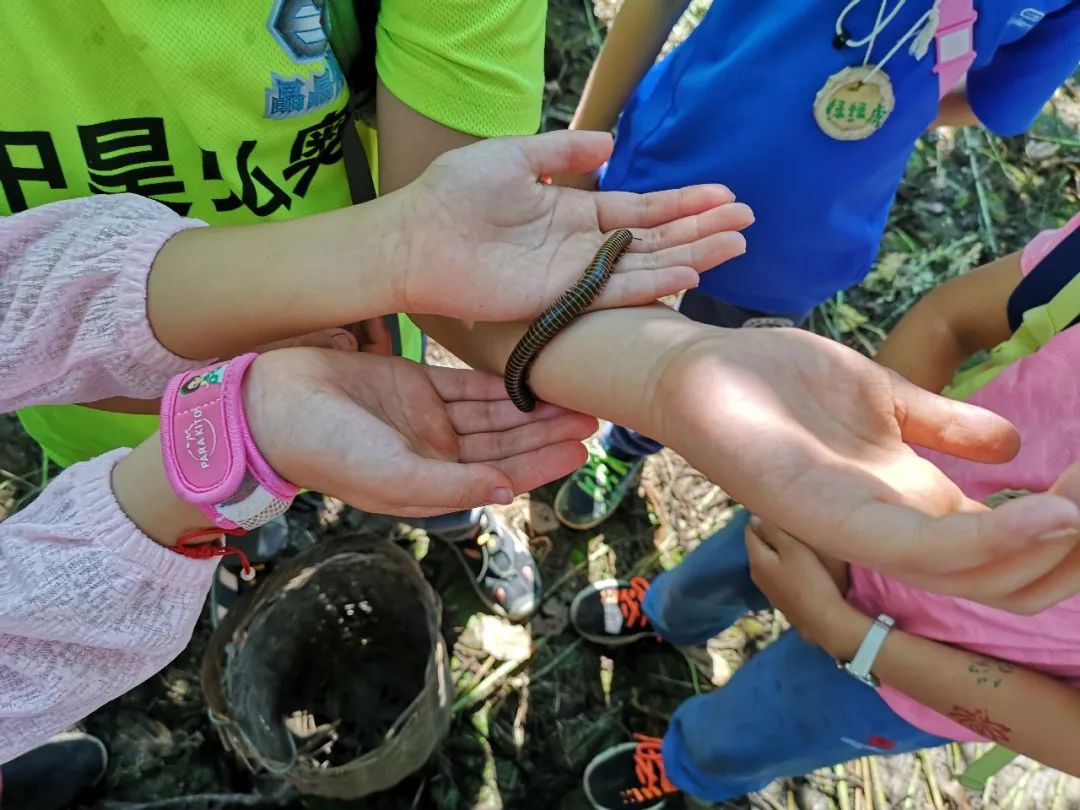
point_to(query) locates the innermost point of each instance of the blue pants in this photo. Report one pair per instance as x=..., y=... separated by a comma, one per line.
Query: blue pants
x=702, y=308
x=787, y=712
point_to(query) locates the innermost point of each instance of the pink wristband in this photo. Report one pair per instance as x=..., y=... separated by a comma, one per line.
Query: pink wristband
x=210, y=456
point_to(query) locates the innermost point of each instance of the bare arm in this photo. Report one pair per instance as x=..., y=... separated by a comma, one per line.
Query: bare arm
x=409, y=141
x=1032, y=713
x=955, y=111
x=951, y=323
x=638, y=32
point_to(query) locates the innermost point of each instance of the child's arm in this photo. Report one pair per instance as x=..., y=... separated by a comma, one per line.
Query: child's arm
x=951, y=323
x=1031, y=713
x=955, y=111
x=638, y=32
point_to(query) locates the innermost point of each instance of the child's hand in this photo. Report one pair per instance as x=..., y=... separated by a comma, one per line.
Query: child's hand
x=391, y=436
x=797, y=583
x=491, y=243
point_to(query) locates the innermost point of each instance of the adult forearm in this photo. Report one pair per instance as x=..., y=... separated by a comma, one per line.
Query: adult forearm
x=605, y=364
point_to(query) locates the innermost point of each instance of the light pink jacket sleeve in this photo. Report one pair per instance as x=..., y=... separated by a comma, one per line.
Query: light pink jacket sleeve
x=73, y=324
x=89, y=606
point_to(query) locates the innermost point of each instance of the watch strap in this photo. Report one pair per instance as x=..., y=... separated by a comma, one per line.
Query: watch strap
x=861, y=665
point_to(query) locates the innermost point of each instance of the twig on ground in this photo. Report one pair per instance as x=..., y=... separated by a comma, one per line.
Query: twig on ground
x=483, y=689
x=879, y=787
x=842, y=788
x=931, y=779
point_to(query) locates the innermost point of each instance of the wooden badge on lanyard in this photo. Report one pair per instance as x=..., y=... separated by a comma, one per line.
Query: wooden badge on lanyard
x=855, y=102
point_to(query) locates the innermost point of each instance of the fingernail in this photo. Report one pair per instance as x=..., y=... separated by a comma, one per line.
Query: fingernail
x=503, y=495
x=755, y=522
x=343, y=343
x=1069, y=533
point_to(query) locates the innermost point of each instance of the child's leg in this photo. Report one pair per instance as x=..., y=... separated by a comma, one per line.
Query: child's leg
x=708, y=591
x=788, y=712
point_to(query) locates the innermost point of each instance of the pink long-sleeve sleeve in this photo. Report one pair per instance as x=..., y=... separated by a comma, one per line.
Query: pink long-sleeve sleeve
x=73, y=324
x=89, y=606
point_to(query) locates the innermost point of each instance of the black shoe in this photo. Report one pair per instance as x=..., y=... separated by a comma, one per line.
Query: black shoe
x=499, y=563
x=629, y=777
x=593, y=493
x=54, y=775
x=612, y=613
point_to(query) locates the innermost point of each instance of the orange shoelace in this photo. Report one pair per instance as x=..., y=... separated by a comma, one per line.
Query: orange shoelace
x=652, y=780
x=630, y=600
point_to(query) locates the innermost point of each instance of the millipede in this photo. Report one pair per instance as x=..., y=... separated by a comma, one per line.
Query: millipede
x=555, y=318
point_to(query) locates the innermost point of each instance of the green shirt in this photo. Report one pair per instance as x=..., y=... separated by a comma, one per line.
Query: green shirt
x=232, y=112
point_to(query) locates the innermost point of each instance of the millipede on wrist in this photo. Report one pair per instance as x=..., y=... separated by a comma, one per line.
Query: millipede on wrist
x=556, y=317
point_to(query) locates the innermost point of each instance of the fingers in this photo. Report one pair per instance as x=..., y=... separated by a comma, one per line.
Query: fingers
x=1013, y=582
x=564, y=152
x=443, y=486
x=456, y=384
x=483, y=417
x=1060, y=583
x=929, y=551
x=783, y=544
x=437, y=486
x=339, y=339
x=538, y=467
x=526, y=438
x=947, y=426
x=773, y=536
x=724, y=220
x=623, y=209
x=374, y=337
x=760, y=553
x=639, y=287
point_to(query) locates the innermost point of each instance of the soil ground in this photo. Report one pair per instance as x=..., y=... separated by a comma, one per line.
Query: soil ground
x=535, y=704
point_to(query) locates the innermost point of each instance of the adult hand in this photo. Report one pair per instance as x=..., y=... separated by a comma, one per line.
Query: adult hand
x=811, y=435
x=492, y=243
x=391, y=436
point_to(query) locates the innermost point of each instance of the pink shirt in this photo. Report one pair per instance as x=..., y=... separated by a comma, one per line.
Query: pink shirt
x=1040, y=395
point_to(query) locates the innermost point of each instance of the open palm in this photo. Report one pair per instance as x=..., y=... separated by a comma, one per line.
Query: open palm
x=812, y=436
x=498, y=244
x=391, y=436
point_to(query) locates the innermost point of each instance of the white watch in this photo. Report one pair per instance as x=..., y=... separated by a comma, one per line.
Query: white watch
x=859, y=667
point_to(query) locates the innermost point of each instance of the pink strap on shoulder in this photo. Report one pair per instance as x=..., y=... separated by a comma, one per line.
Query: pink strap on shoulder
x=210, y=457
x=955, y=37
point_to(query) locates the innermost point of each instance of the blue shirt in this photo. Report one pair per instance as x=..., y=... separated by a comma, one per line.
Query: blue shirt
x=734, y=104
